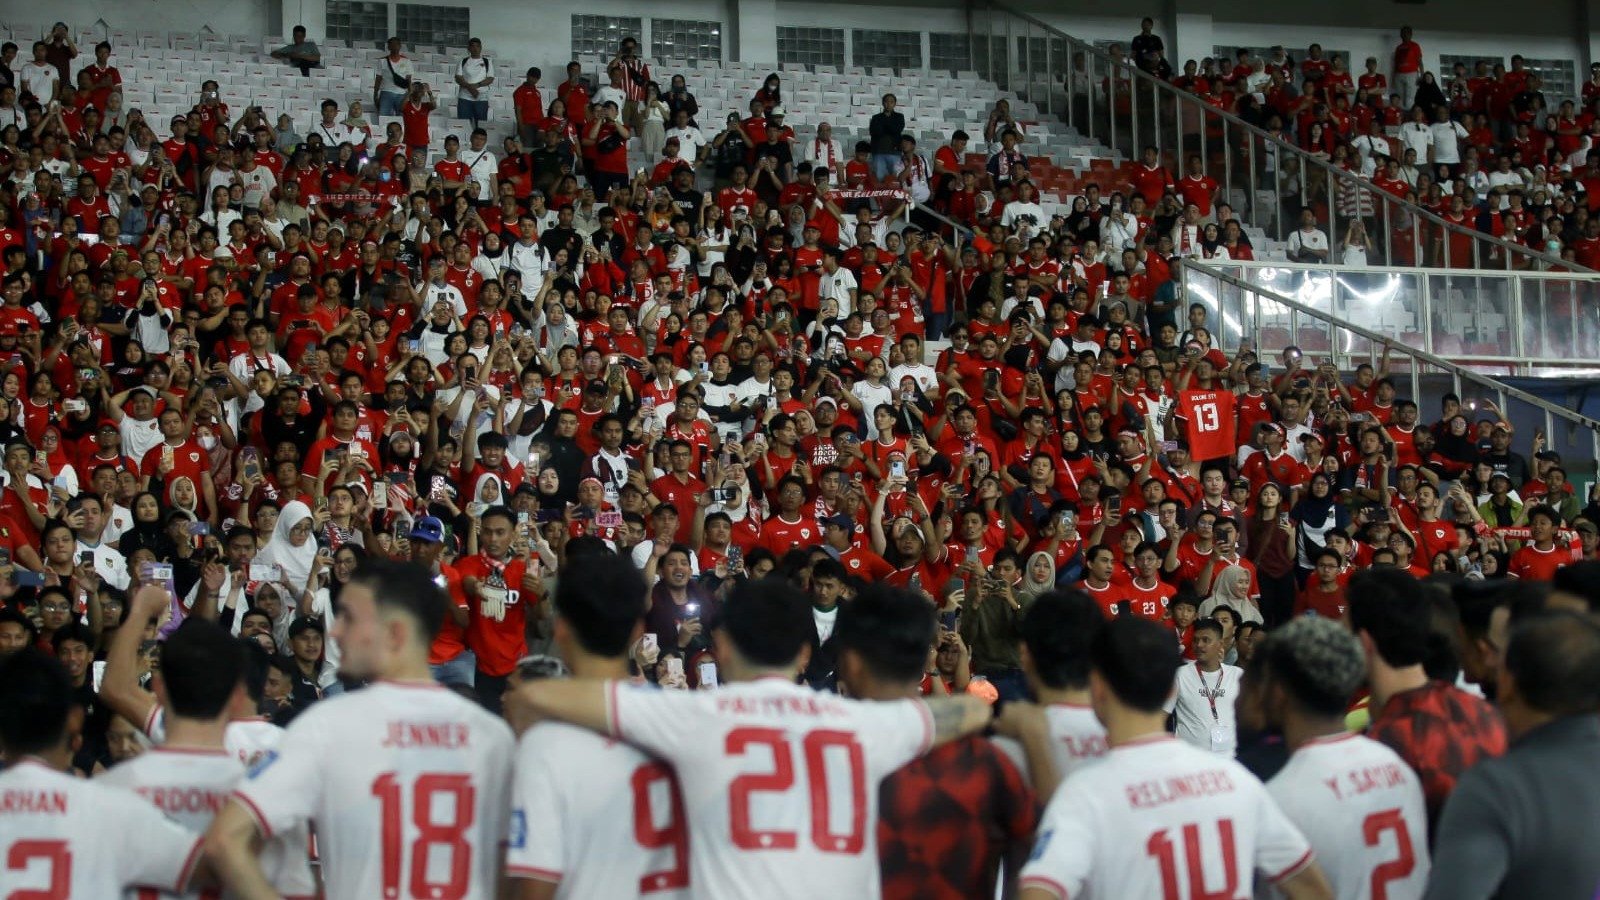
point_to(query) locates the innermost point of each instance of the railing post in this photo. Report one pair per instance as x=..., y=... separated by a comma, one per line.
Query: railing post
x=1518, y=318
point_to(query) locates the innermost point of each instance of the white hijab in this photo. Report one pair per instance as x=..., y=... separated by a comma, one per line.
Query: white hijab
x=295, y=561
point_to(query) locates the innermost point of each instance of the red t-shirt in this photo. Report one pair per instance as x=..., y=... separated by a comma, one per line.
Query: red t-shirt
x=497, y=644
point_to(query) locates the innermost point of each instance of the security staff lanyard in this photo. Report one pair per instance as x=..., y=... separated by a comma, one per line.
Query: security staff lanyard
x=1211, y=696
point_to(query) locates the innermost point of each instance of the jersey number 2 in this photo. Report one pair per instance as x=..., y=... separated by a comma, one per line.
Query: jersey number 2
x=425, y=791
x=815, y=745
x=1372, y=829
x=56, y=855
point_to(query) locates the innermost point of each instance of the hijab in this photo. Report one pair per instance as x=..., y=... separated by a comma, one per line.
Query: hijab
x=1031, y=587
x=294, y=561
x=1232, y=588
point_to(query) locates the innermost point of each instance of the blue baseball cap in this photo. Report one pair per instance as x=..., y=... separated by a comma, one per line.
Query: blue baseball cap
x=428, y=528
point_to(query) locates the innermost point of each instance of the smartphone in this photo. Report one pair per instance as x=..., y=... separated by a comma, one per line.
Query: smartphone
x=157, y=572
x=897, y=469
x=1114, y=506
x=735, y=560
x=5, y=556
x=380, y=495
x=708, y=675
x=534, y=460
x=547, y=515
x=648, y=644
x=437, y=487
x=414, y=346
x=199, y=529
x=396, y=478
x=86, y=558
x=522, y=518
x=972, y=554
x=608, y=518
x=28, y=578
x=263, y=572
x=250, y=462
x=675, y=666
x=724, y=495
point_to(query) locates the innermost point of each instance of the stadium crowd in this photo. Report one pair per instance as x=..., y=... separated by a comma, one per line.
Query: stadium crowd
x=479, y=420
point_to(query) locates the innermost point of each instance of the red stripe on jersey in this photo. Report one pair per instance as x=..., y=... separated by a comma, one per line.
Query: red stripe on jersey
x=534, y=872
x=255, y=813
x=1047, y=884
x=1301, y=863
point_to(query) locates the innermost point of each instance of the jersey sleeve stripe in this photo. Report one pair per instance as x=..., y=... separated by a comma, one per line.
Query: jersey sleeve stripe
x=1293, y=870
x=186, y=871
x=1046, y=884
x=927, y=728
x=534, y=872
x=150, y=719
x=613, y=724
x=255, y=813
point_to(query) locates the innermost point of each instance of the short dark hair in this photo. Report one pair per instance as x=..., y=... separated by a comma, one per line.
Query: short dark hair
x=602, y=601
x=1138, y=660
x=201, y=664
x=407, y=587
x=768, y=620
x=1386, y=604
x=1554, y=658
x=1057, y=630
x=890, y=629
x=35, y=697
x=1318, y=662
x=1209, y=623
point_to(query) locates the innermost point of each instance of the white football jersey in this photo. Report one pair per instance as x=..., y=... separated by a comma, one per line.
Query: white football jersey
x=246, y=739
x=618, y=831
x=408, y=785
x=1159, y=818
x=189, y=786
x=1076, y=736
x=1361, y=807
x=780, y=782
x=66, y=837
x=1203, y=703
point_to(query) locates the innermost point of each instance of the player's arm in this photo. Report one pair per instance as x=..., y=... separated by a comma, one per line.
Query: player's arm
x=533, y=889
x=957, y=716
x=1310, y=884
x=232, y=844
x=119, y=688
x=1025, y=723
x=580, y=701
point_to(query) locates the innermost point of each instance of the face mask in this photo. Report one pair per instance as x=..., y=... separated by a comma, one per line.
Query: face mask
x=208, y=442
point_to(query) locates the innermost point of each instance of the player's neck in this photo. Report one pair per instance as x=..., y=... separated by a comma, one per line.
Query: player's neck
x=588, y=665
x=1215, y=666
x=195, y=734
x=1387, y=682
x=1300, y=730
x=1126, y=725
x=57, y=758
x=1063, y=696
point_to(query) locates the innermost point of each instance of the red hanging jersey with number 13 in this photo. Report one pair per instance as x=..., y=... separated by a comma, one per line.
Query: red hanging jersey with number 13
x=1209, y=423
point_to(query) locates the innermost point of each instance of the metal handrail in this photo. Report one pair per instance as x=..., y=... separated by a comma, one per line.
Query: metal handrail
x=1458, y=372
x=1517, y=354
x=1331, y=173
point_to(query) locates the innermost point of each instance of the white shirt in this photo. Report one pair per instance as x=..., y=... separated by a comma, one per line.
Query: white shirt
x=1310, y=240
x=1361, y=808
x=38, y=79
x=138, y=437
x=926, y=376
x=482, y=167
x=837, y=286
x=473, y=70
x=363, y=765
x=446, y=293
x=829, y=154
x=401, y=67
x=1367, y=146
x=1076, y=736
x=1447, y=137
x=1029, y=217
x=618, y=831
x=258, y=182
x=332, y=135
x=189, y=786
x=1197, y=725
x=93, y=838
x=245, y=365
x=690, y=140
x=1156, y=810
x=780, y=782
x=1416, y=136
